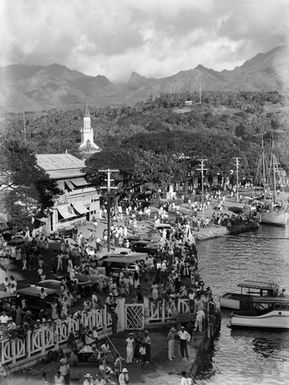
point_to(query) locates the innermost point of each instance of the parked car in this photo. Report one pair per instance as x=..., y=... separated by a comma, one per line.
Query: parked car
x=66, y=233
x=50, y=284
x=145, y=247
x=31, y=295
x=17, y=241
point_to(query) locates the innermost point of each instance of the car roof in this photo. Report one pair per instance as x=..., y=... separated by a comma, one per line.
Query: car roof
x=130, y=258
x=34, y=291
x=5, y=295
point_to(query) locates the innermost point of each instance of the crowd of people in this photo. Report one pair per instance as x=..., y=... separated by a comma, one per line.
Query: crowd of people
x=169, y=273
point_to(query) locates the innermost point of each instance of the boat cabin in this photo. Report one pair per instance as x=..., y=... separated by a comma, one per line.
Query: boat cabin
x=262, y=289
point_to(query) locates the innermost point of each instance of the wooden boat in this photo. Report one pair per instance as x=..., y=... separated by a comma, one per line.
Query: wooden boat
x=274, y=217
x=265, y=313
x=239, y=301
x=274, y=206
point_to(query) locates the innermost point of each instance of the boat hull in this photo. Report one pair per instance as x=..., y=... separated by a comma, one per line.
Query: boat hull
x=275, y=319
x=230, y=301
x=274, y=218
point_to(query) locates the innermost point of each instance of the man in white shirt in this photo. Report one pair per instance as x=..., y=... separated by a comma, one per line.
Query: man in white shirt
x=4, y=318
x=185, y=380
x=184, y=339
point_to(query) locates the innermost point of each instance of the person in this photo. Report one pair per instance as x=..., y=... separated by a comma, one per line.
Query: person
x=64, y=369
x=147, y=341
x=44, y=380
x=200, y=316
x=114, y=319
x=88, y=379
x=99, y=380
x=184, y=339
x=185, y=380
x=118, y=366
x=171, y=343
x=283, y=293
x=143, y=353
x=129, y=348
x=123, y=378
x=58, y=379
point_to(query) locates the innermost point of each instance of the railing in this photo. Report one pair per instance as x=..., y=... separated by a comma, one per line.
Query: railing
x=36, y=343
x=162, y=311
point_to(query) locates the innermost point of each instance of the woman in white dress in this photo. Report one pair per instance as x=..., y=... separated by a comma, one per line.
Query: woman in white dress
x=129, y=348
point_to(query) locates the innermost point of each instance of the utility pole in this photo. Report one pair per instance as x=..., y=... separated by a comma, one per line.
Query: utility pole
x=24, y=123
x=108, y=188
x=237, y=160
x=202, y=169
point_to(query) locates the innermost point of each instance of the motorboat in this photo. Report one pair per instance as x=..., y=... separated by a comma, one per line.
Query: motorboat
x=265, y=313
x=239, y=301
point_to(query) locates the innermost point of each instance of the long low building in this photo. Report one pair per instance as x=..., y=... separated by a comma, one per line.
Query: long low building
x=79, y=201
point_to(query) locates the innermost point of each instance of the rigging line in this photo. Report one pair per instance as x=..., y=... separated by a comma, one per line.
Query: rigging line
x=107, y=336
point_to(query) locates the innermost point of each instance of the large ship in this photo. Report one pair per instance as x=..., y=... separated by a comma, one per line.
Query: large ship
x=273, y=208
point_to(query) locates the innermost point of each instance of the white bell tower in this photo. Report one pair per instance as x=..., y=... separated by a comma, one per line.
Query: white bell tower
x=87, y=142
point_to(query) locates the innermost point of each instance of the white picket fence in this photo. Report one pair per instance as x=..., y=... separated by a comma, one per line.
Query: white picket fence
x=36, y=343
x=164, y=311
x=16, y=352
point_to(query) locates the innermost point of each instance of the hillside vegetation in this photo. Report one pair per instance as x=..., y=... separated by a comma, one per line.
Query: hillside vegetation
x=225, y=125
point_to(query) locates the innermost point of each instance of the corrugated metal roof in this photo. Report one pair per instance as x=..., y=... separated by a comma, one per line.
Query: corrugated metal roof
x=65, y=174
x=53, y=162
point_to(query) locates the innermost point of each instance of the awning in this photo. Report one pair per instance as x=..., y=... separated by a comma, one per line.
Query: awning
x=69, y=184
x=79, y=207
x=66, y=211
x=79, y=182
x=43, y=220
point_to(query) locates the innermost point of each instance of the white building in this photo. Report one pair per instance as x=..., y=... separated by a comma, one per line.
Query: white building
x=79, y=201
x=87, y=146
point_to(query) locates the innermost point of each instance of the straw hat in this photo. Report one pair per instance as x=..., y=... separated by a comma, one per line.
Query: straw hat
x=88, y=375
x=124, y=370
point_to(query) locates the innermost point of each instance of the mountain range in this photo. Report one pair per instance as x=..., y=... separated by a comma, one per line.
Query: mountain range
x=35, y=87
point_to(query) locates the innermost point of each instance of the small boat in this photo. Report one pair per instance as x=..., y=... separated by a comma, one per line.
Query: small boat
x=265, y=313
x=275, y=217
x=239, y=301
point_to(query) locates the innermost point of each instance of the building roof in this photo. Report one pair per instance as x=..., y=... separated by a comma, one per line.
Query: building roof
x=60, y=166
x=51, y=162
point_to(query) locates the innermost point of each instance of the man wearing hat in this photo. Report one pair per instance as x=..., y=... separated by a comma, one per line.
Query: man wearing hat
x=123, y=378
x=184, y=339
x=171, y=343
x=88, y=379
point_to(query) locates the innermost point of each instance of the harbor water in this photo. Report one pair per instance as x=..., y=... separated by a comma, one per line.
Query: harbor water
x=247, y=356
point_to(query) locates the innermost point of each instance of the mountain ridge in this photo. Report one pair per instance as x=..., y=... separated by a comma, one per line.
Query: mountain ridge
x=36, y=87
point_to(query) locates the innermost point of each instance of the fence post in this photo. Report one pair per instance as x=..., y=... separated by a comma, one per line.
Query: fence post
x=43, y=339
x=146, y=303
x=28, y=343
x=13, y=350
x=121, y=313
x=163, y=310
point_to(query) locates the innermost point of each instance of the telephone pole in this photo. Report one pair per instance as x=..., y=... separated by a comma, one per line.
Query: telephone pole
x=202, y=169
x=24, y=129
x=237, y=160
x=108, y=188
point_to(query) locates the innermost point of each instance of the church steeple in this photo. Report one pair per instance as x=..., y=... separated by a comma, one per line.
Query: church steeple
x=86, y=113
x=87, y=142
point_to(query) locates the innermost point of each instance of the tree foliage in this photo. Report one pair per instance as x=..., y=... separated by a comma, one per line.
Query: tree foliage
x=30, y=191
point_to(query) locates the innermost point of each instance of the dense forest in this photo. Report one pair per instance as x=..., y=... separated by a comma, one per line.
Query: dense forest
x=219, y=126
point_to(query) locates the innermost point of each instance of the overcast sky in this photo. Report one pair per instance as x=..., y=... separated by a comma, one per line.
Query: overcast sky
x=152, y=37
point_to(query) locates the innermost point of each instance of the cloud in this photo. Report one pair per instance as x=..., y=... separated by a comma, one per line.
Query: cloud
x=152, y=37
